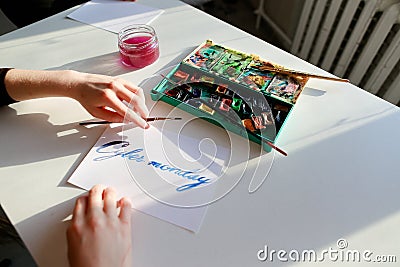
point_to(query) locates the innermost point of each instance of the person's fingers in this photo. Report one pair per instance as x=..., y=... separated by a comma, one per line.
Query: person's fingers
x=134, y=89
x=106, y=114
x=126, y=210
x=139, y=106
x=130, y=115
x=79, y=211
x=95, y=199
x=138, y=103
x=128, y=85
x=125, y=87
x=110, y=202
x=134, y=117
x=134, y=96
x=122, y=91
x=140, y=93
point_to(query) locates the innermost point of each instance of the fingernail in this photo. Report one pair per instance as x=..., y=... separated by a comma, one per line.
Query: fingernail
x=147, y=126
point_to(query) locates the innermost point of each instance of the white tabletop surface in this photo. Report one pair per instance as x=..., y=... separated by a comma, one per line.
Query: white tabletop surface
x=340, y=180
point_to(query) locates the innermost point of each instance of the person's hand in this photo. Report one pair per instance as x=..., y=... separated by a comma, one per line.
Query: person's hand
x=100, y=232
x=102, y=97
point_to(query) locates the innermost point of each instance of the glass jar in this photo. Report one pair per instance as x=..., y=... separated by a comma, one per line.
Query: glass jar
x=138, y=45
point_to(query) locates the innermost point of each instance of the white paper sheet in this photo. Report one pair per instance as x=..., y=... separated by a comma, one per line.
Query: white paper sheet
x=112, y=15
x=151, y=166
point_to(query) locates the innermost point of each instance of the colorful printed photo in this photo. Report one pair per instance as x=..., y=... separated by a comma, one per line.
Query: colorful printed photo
x=206, y=56
x=284, y=87
x=232, y=64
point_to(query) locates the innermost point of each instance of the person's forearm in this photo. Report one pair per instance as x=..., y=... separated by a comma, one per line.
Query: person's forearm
x=101, y=95
x=29, y=84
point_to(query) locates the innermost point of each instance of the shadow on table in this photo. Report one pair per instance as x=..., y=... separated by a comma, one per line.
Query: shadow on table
x=46, y=232
x=110, y=64
x=313, y=92
x=107, y=64
x=30, y=138
x=338, y=196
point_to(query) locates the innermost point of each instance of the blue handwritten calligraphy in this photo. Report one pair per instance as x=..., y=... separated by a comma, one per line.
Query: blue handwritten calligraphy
x=190, y=175
x=116, y=149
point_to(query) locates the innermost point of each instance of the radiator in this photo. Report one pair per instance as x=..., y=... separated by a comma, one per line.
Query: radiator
x=354, y=39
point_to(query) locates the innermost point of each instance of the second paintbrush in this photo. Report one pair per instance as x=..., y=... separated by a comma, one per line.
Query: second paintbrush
x=148, y=120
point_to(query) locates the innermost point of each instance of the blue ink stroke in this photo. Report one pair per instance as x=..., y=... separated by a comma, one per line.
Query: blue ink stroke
x=190, y=175
x=116, y=149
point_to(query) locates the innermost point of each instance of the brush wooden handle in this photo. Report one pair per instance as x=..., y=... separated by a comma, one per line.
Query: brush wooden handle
x=300, y=73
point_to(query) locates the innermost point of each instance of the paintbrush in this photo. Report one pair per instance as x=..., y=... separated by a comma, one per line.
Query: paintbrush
x=300, y=73
x=148, y=119
x=230, y=119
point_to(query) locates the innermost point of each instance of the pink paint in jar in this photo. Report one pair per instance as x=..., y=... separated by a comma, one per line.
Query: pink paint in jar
x=138, y=45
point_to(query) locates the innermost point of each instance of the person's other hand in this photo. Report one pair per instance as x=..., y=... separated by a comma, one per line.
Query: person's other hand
x=102, y=97
x=100, y=232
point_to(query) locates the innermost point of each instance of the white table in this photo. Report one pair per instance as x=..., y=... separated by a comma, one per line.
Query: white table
x=340, y=180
